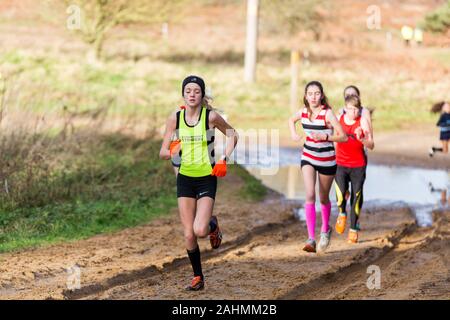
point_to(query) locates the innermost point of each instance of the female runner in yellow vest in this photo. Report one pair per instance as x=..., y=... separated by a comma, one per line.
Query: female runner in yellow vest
x=197, y=177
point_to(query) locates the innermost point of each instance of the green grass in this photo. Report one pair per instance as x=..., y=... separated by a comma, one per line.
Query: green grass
x=78, y=220
x=115, y=182
x=101, y=184
x=142, y=72
x=150, y=88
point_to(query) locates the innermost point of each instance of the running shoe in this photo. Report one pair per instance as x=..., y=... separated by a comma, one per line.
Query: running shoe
x=310, y=246
x=325, y=238
x=197, y=283
x=340, y=223
x=352, y=236
x=215, y=237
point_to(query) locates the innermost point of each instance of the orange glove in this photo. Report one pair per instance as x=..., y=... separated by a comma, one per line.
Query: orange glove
x=175, y=147
x=220, y=169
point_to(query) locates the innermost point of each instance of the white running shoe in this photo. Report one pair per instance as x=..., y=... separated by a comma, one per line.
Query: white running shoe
x=325, y=238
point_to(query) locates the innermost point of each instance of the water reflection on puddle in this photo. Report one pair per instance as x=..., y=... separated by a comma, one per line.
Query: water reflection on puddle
x=423, y=190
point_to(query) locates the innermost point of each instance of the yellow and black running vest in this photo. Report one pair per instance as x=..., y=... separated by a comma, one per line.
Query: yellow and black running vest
x=197, y=145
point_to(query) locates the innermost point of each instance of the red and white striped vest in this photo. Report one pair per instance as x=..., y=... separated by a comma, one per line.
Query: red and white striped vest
x=317, y=152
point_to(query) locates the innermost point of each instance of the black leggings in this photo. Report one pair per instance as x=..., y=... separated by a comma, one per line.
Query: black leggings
x=356, y=177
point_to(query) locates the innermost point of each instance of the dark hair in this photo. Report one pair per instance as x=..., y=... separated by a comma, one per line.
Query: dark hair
x=323, y=99
x=353, y=101
x=354, y=88
x=437, y=107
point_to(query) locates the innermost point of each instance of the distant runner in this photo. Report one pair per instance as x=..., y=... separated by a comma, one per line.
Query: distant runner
x=444, y=125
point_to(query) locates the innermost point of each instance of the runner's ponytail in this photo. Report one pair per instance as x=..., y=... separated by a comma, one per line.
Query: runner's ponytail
x=207, y=99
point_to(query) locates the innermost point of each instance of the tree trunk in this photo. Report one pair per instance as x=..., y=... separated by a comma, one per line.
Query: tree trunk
x=98, y=46
x=94, y=55
x=295, y=71
x=251, y=42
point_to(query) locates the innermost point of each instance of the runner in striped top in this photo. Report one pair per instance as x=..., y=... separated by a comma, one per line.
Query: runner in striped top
x=318, y=158
x=317, y=152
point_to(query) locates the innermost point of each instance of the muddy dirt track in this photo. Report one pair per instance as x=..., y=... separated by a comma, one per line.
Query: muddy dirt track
x=260, y=258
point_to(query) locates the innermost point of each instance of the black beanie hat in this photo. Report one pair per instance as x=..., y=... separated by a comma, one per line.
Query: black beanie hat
x=194, y=79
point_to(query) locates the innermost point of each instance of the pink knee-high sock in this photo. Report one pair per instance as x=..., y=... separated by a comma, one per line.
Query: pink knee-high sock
x=326, y=211
x=310, y=211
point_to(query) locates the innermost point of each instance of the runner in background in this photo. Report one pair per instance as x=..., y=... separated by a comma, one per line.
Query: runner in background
x=443, y=123
x=318, y=158
x=351, y=165
x=366, y=114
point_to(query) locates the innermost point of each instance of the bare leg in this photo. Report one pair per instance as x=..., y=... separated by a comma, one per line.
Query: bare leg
x=325, y=183
x=309, y=178
x=444, y=146
x=187, y=207
x=205, y=207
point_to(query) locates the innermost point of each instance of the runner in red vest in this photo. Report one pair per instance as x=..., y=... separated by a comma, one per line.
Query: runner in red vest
x=351, y=164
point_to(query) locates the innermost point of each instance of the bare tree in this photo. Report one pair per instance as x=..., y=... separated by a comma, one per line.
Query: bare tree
x=296, y=15
x=98, y=17
x=293, y=17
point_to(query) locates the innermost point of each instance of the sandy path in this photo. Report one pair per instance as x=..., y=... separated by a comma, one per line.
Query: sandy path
x=135, y=252
x=271, y=265
x=260, y=258
x=416, y=266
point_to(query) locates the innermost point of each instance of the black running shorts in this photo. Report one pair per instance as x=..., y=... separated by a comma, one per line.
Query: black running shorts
x=328, y=171
x=196, y=187
x=444, y=136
